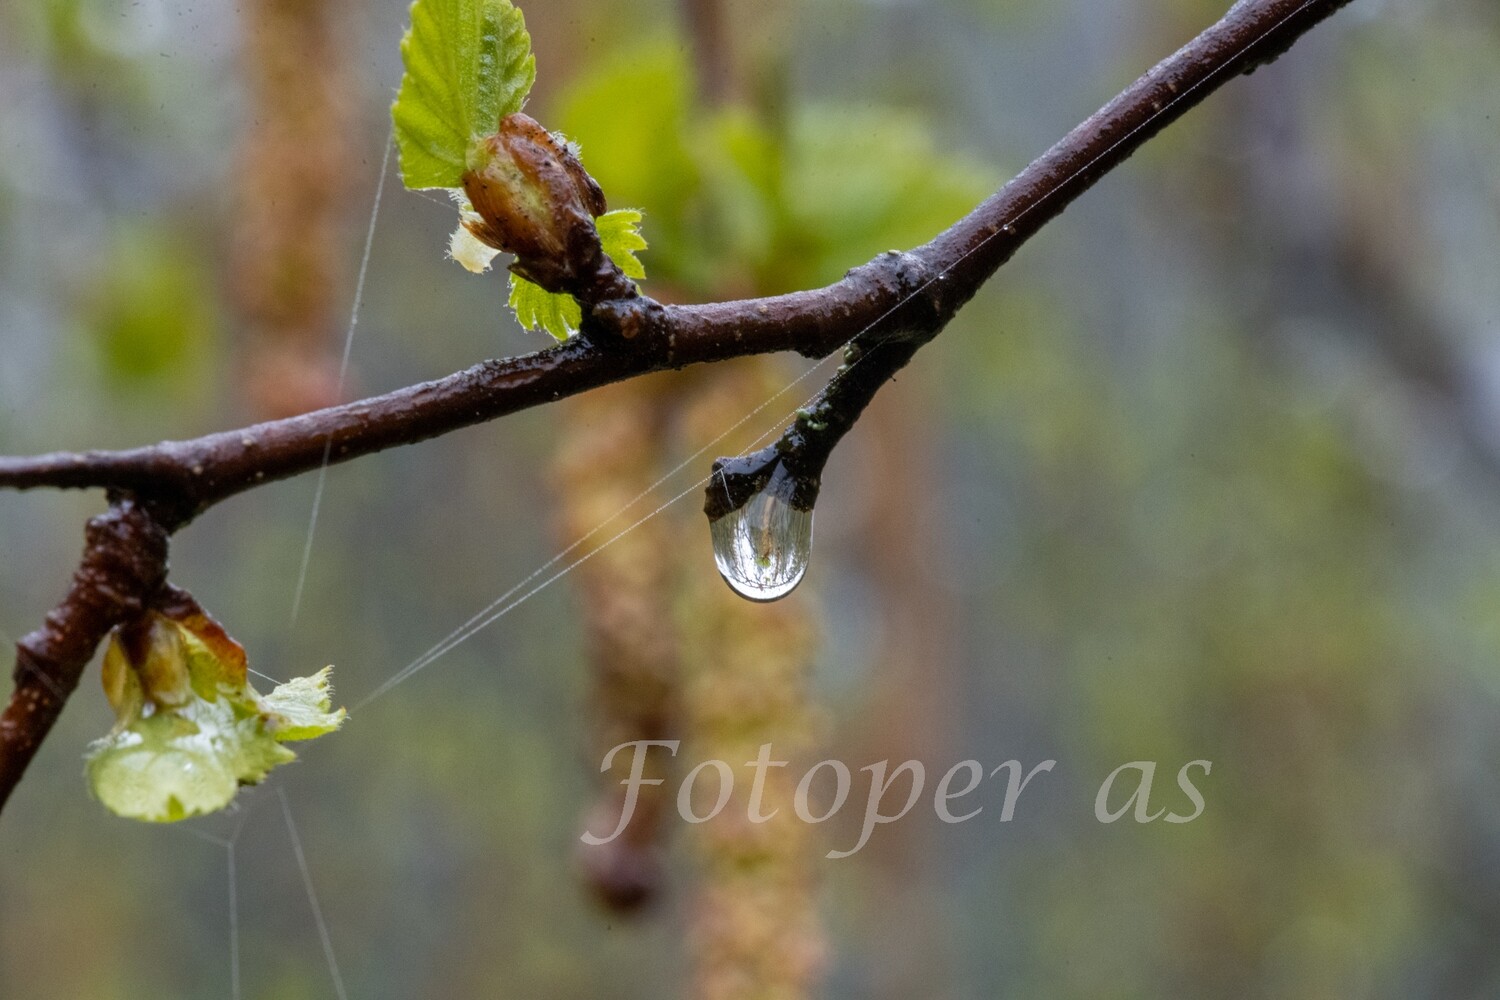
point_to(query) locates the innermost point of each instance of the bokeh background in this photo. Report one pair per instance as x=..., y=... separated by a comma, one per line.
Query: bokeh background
x=1210, y=471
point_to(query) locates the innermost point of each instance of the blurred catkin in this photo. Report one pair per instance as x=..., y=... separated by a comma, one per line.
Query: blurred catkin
x=294, y=183
x=740, y=670
x=729, y=676
x=609, y=456
x=755, y=932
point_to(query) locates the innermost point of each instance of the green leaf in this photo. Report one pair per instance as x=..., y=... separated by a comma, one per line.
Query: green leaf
x=181, y=763
x=468, y=64
x=299, y=709
x=186, y=756
x=538, y=309
x=620, y=236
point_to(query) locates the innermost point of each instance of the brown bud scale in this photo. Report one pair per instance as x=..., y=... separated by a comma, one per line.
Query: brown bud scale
x=535, y=200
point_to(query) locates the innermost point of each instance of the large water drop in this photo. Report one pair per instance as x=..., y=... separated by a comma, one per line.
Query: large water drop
x=763, y=547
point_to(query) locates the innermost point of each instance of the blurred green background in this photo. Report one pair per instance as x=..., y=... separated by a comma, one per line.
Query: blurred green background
x=1210, y=471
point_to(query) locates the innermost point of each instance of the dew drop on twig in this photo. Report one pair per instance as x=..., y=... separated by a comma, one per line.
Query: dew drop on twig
x=763, y=547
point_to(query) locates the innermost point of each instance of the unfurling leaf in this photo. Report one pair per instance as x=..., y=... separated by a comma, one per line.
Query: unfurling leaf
x=620, y=235
x=299, y=709
x=538, y=309
x=189, y=727
x=177, y=764
x=468, y=64
x=465, y=247
x=521, y=189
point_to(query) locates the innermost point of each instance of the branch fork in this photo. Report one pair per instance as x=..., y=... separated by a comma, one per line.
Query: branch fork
x=889, y=308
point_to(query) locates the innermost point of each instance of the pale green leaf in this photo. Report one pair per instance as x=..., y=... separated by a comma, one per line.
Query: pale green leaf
x=620, y=236
x=468, y=64
x=538, y=309
x=160, y=770
x=181, y=763
x=558, y=314
x=258, y=753
x=300, y=708
x=169, y=760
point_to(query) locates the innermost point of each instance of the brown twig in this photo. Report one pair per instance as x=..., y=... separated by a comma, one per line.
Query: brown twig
x=912, y=295
x=124, y=564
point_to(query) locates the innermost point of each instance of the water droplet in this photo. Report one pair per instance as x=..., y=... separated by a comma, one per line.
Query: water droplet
x=762, y=548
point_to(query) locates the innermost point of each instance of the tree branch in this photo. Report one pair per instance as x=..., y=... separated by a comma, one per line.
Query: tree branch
x=124, y=565
x=901, y=300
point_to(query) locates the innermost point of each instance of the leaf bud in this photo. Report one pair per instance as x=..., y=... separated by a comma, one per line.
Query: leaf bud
x=534, y=200
x=146, y=661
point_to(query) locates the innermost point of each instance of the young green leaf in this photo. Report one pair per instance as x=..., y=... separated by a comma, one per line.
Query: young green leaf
x=190, y=729
x=300, y=708
x=182, y=763
x=164, y=768
x=620, y=236
x=538, y=309
x=468, y=64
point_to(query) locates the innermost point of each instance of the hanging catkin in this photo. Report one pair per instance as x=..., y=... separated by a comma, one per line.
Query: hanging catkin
x=294, y=200
x=610, y=453
x=754, y=930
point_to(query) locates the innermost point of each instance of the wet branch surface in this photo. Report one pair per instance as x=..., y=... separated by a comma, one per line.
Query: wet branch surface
x=889, y=308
